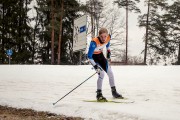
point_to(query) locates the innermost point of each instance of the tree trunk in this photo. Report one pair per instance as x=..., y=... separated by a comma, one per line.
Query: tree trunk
x=179, y=55
x=20, y=29
x=2, y=49
x=147, y=26
x=126, y=31
x=60, y=32
x=92, y=26
x=92, y=19
x=52, y=32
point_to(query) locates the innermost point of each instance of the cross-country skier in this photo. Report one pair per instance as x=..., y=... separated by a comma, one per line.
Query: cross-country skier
x=100, y=63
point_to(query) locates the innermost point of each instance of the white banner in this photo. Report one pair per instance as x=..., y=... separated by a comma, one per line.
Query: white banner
x=79, y=33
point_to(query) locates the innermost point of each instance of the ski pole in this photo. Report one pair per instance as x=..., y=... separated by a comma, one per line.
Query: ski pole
x=74, y=88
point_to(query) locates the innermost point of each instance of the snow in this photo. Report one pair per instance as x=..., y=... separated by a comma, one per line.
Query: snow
x=155, y=90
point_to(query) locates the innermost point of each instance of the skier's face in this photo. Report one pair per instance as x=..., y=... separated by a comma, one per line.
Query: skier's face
x=103, y=37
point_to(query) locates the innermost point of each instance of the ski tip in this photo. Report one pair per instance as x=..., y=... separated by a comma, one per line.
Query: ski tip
x=53, y=103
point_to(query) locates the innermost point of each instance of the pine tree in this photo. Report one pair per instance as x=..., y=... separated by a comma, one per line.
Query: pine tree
x=70, y=9
x=52, y=31
x=129, y=5
x=172, y=19
x=15, y=32
x=156, y=36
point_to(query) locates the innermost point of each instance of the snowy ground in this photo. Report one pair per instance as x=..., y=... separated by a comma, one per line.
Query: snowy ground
x=155, y=90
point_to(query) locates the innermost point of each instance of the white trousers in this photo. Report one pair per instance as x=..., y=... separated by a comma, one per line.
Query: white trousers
x=101, y=77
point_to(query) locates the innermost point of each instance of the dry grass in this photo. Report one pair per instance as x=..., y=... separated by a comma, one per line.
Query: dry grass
x=9, y=113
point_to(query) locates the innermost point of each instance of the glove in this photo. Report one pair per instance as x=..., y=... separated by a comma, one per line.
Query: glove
x=109, y=55
x=97, y=68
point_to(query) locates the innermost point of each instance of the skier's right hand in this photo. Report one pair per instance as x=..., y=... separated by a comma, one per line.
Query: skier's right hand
x=98, y=69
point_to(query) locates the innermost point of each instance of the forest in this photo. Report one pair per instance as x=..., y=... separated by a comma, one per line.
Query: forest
x=47, y=36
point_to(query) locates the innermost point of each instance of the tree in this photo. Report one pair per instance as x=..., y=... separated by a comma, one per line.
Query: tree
x=94, y=8
x=112, y=20
x=147, y=27
x=15, y=34
x=129, y=5
x=52, y=32
x=60, y=31
x=70, y=12
x=159, y=44
x=43, y=11
x=172, y=19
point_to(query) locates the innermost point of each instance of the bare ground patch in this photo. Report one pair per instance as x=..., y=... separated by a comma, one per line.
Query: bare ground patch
x=9, y=113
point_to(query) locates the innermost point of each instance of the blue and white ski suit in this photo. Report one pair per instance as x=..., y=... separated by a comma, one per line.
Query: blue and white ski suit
x=96, y=57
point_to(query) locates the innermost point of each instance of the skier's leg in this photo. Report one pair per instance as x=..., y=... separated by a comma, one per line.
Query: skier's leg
x=111, y=76
x=100, y=80
x=115, y=94
x=101, y=61
x=99, y=88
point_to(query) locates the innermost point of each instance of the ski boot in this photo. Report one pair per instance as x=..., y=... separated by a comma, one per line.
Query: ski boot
x=115, y=94
x=100, y=97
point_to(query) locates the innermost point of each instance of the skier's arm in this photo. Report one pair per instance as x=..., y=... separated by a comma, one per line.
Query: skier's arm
x=108, y=51
x=91, y=51
x=108, y=45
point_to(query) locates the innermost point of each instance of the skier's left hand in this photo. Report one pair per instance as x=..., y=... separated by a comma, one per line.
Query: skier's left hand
x=108, y=54
x=98, y=69
x=109, y=60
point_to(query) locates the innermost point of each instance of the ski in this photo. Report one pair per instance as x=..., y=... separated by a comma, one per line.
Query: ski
x=111, y=101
